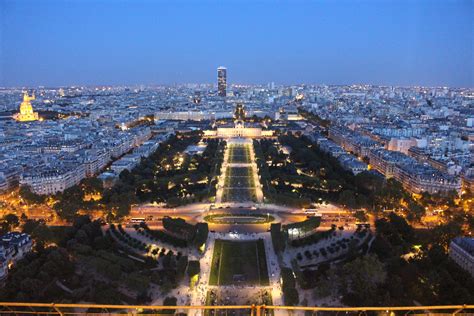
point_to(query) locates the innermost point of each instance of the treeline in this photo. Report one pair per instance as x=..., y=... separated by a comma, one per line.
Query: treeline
x=39, y=276
x=290, y=293
x=150, y=180
x=314, y=118
x=323, y=178
x=178, y=233
x=80, y=263
x=167, y=175
x=67, y=203
x=403, y=265
x=275, y=176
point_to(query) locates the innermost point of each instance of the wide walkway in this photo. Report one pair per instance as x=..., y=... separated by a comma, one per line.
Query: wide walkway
x=239, y=181
x=198, y=294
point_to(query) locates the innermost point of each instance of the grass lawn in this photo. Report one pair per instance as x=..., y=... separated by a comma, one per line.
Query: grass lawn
x=239, y=262
x=239, y=195
x=239, y=154
x=239, y=185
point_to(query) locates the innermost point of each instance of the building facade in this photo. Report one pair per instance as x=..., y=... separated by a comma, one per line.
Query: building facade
x=26, y=110
x=50, y=180
x=13, y=247
x=461, y=250
x=222, y=81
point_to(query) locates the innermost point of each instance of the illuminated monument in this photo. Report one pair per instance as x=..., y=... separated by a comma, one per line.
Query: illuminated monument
x=26, y=110
x=237, y=128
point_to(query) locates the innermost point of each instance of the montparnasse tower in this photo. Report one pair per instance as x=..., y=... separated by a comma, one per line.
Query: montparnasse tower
x=26, y=110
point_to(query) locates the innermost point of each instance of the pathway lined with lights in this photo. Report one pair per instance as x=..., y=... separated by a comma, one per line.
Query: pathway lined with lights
x=239, y=181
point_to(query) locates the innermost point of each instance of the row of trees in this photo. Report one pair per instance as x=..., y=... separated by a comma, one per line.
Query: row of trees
x=394, y=272
x=290, y=293
x=80, y=263
x=280, y=193
x=175, y=229
x=126, y=239
x=161, y=236
x=70, y=201
x=168, y=175
x=321, y=177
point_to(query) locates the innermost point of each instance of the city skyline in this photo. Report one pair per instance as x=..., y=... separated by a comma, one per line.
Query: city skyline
x=58, y=43
x=237, y=157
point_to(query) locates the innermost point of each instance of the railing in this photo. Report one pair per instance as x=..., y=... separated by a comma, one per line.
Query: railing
x=13, y=308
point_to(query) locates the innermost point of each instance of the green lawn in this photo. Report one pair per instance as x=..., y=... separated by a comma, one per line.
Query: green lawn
x=239, y=154
x=239, y=262
x=239, y=185
x=239, y=195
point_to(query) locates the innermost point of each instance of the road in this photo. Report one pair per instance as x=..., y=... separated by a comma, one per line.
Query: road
x=194, y=213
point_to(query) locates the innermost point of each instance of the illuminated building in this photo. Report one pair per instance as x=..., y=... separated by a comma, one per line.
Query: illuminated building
x=222, y=81
x=53, y=179
x=238, y=130
x=13, y=247
x=26, y=110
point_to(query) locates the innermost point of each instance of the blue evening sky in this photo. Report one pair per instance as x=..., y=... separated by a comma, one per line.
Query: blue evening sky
x=69, y=42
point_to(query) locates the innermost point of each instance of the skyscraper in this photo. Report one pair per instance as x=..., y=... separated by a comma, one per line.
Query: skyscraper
x=221, y=81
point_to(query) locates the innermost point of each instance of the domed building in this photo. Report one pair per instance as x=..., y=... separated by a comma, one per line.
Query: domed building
x=26, y=110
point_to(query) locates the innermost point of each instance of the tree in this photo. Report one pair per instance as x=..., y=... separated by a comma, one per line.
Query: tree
x=181, y=266
x=202, y=232
x=42, y=233
x=327, y=284
x=29, y=225
x=347, y=198
x=291, y=297
x=194, y=268
x=169, y=301
x=415, y=211
x=443, y=234
x=92, y=185
x=361, y=216
x=11, y=221
x=30, y=197
x=368, y=181
x=360, y=278
x=127, y=177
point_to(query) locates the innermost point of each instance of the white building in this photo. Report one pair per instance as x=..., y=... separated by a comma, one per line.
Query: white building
x=13, y=247
x=51, y=180
x=461, y=250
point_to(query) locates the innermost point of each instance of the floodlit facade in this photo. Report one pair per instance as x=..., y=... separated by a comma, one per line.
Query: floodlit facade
x=26, y=110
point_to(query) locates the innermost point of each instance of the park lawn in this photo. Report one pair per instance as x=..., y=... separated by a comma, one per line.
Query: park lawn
x=239, y=185
x=238, y=195
x=239, y=262
x=240, y=154
x=241, y=172
x=238, y=177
